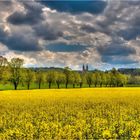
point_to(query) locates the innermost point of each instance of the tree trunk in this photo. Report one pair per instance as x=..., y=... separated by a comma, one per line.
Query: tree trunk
x=66, y=85
x=15, y=85
x=73, y=85
x=49, y=85
x=89, y=85
x=57, y=85
x=39, y=85
x=28, y=86
x=80, y=85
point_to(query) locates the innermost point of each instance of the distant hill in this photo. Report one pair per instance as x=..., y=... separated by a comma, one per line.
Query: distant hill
x=128, y=71
x=46, y=68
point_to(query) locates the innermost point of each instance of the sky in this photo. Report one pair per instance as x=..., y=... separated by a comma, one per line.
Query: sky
x=102, y=33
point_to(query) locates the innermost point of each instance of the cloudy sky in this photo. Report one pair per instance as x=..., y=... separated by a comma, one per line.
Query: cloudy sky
x=102, y=33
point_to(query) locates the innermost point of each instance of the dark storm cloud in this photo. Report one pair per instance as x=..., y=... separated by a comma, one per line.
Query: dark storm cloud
x=32, y=16
x=113, y=53
x=88, y=28
x=116, y=50
x=47, y=32
x=130, y=33
x=118, y=60
x=134, y=2
x=2, y=35
x=68, y=31
x=63, y=47
x=22, y=43
x=19, y=41
x=75, y=7
x=5, y=5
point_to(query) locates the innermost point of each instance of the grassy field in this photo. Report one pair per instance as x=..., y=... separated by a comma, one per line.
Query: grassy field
x=101, y=113
x=9, y=86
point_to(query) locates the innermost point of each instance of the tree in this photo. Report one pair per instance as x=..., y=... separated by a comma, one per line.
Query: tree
x=29, y=77
x=60, y=78
x=113, y=77
x=3, y=64
x=125, y=79
x=103, y=79
x=77, y=79
x=134, y=80
x=89, y=78
x=69, y=76
x=83, y=79
x=116, y=78
x=121, y=80
x=51, y=75
x=96, y=78
x=107, y=79
x=39, y=78
x=15, y=67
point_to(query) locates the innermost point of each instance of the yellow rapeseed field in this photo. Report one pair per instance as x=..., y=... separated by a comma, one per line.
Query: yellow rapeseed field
x=97, y=113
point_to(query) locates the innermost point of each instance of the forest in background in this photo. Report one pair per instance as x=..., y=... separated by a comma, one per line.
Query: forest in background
x=14, y=76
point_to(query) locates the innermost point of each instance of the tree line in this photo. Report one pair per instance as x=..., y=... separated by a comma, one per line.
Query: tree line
x=13, y=72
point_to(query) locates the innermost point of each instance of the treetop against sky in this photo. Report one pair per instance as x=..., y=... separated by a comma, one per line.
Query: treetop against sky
x=102, y=33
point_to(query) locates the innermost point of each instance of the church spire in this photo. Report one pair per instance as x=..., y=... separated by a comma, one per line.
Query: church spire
x=83, y=67
x=87, y=67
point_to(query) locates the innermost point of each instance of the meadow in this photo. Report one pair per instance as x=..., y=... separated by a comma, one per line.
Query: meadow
x=88, y=113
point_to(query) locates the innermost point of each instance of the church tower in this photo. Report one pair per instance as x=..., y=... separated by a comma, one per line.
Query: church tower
x=83, y=67
x=87, y=67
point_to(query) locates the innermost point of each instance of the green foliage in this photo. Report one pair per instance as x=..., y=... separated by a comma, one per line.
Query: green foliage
x=29, y=77
x=51, y=77
x=40, y=77
x=77, y=79
x=89, y=78
x=15, y=68
x=60, y=78
x=96, y=78
x=26, y=78
x=69, y=76
x=135, y=80
x=3, y=65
